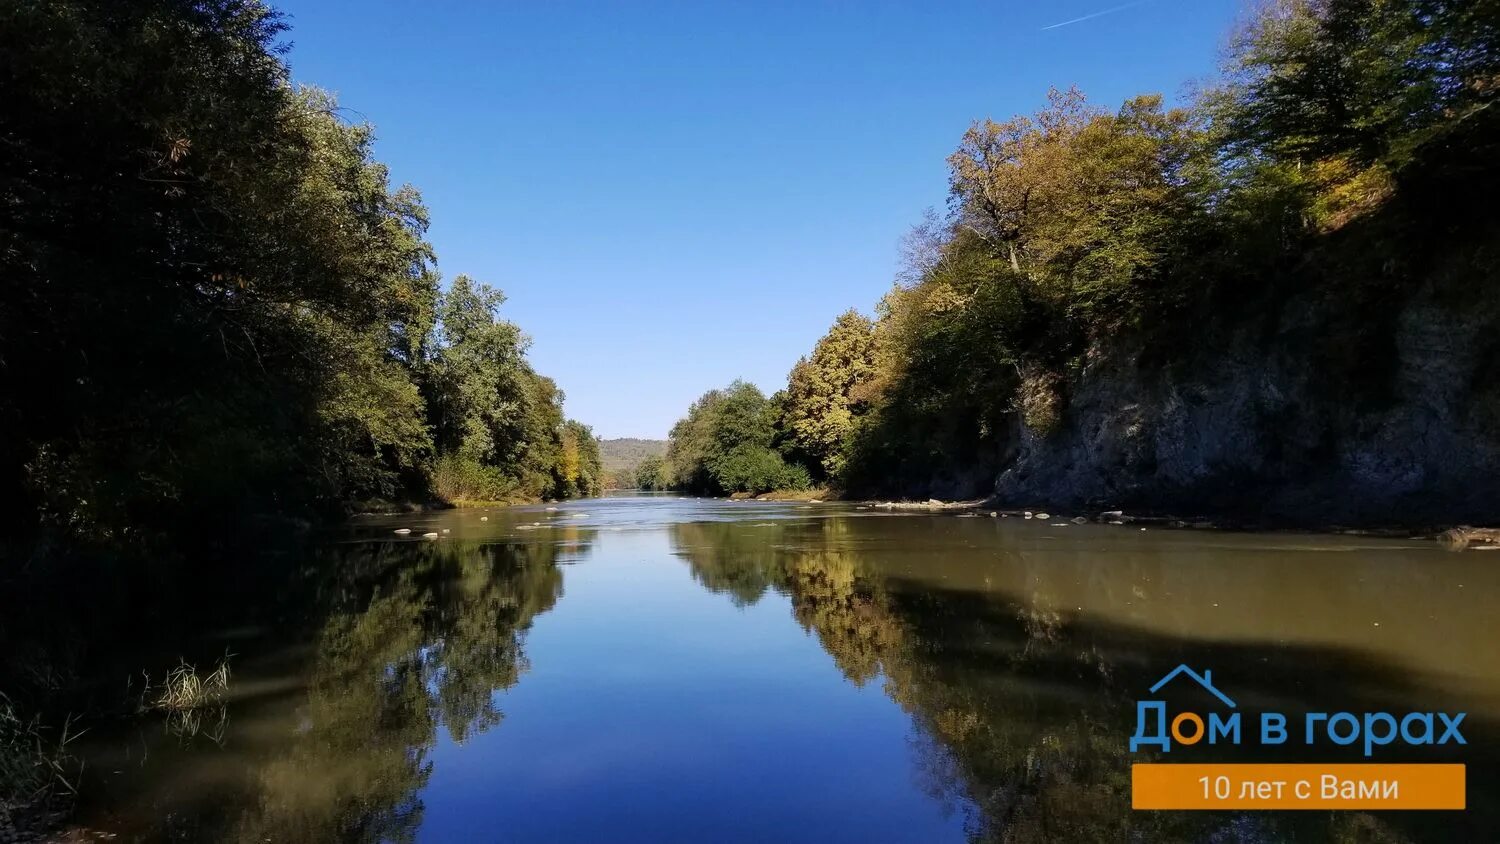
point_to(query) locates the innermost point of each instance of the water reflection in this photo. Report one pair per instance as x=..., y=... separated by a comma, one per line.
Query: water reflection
x=1001, y=660
x=417, y=638
x=1023, y=694
x=420, y=649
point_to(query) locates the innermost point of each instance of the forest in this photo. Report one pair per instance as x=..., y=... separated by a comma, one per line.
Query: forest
x=1278, y=294
x=222, y=330
x=220, y=309
x=623, y=457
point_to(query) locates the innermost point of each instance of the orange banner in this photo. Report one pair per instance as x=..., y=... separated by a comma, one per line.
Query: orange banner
x=1299, y=786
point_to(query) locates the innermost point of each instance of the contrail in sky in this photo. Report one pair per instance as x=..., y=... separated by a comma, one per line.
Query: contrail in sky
x=1093, y=15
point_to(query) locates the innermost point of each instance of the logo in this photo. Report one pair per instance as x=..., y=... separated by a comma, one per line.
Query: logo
x=1188, y=728
x=1222, y=785
x=1377, y=729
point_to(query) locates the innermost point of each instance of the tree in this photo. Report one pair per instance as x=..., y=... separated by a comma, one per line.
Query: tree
x=822, y=398
x=1078, y=201
x=1310, y=79
x=481, y=385
x=580, y=471
x=651, y=473
x=724, y=445
x=212, y=288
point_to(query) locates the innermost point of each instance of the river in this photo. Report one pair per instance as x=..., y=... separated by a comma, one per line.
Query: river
x=654, y=668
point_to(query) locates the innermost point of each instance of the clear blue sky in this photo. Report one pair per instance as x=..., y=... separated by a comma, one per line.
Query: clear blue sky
x=674, y=195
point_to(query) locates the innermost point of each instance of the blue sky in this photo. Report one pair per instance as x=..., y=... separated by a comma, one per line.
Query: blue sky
x=673, y=195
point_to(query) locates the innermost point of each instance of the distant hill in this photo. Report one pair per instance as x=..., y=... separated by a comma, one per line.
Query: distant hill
x=628, y=452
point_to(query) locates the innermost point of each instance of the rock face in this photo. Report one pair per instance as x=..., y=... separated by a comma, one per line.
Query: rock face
x=1266, y=425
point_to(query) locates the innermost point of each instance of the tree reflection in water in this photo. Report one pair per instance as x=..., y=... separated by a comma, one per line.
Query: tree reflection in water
x=1016, y=657
x=1021, y=709
x=417, y=637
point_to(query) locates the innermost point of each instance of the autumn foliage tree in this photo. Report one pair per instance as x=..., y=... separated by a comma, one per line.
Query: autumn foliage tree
x=1077, y=232
x=823, y=398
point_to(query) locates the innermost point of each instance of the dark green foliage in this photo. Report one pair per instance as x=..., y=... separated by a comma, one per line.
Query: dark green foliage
x=652, y=473
x=724, y=445
x=198, y=258
x=1365, y=78
x=216, y=306
x=498, y=424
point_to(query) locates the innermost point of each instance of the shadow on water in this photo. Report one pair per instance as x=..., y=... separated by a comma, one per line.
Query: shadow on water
x=1023, y=706
x=415, y=639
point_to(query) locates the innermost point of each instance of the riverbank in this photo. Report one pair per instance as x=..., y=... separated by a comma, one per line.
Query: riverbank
x=397, y=508
x=815, y=494
x=1455, y=537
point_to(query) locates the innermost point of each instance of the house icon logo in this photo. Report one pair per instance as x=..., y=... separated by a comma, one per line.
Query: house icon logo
x=1205, y=680
x=1187, y=727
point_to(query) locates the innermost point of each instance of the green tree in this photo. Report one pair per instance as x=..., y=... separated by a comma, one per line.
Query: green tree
x=1310, y=79
x=823, y=394
x=1081, y=203
x=580, y=471
x=213, y=292
x=651, y=474
x=724, y=445
x=499, y=426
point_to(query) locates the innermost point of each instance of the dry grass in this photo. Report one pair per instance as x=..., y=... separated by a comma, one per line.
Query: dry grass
x=33, y=765
x=192, y=702
x=814, y=494
x=184, y=689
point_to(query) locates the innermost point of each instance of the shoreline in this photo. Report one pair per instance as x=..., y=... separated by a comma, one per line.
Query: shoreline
x=398, y=508
x=1457, y=537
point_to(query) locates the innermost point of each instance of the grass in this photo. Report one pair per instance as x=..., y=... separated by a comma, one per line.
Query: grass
x=34, y=766
x=184, y=689
x=813, y=494
x=192, y=702
x=471, y=503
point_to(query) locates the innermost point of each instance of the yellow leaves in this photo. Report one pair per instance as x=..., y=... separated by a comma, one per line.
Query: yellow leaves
x=820, y=389
x=569, y=462
x=1008, y=174
x=956, y=725
x=1347, y=191
x=942, y=298
x=1075, y=200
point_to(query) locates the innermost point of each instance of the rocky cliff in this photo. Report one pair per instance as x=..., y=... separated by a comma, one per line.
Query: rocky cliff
x=1296, y=417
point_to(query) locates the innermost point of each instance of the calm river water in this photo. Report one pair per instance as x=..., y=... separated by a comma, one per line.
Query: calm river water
x=650, y=668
